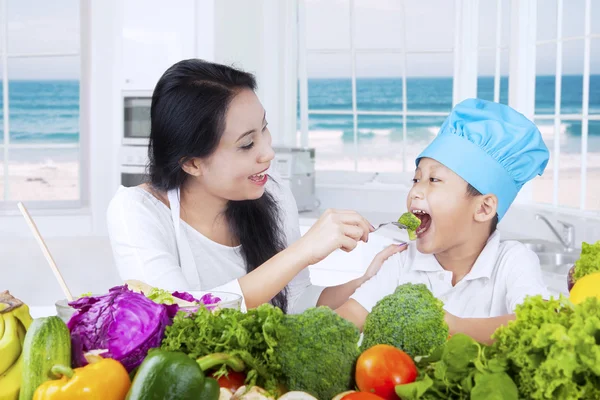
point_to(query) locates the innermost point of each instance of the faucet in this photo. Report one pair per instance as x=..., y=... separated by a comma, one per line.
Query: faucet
x=567, y=238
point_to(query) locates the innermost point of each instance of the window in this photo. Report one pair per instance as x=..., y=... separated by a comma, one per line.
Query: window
x=39, y=106
x=567, y=102
x=374, y=89
x=493, y=50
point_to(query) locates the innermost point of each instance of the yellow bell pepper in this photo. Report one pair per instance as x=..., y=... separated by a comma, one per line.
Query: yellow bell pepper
x=588, y=286
x=103, y=380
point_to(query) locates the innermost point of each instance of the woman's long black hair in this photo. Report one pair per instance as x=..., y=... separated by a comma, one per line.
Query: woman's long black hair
x=189, y=105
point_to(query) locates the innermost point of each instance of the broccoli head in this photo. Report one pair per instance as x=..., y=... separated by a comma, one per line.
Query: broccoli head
x=412, y=222
x=411, y=319
x=317, y=351
x=589, y=261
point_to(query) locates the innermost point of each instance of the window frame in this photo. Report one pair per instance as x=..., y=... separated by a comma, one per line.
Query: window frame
x=9, y=207
x=521, y=51
x=558, y=117
x=498, y=49
x=305, y=112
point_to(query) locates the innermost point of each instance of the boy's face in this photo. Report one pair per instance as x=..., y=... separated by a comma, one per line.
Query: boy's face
x=439, y=198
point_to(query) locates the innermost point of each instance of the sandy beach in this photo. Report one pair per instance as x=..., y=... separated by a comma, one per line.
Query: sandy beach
x=40, y=181
x=57, y=178
x=60, y=181
x=381, y=154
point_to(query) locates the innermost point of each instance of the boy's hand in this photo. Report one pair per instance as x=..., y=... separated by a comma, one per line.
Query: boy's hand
x=453, y=323
x=381, y=257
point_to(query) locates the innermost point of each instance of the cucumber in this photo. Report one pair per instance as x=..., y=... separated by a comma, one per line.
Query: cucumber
x=47, y=343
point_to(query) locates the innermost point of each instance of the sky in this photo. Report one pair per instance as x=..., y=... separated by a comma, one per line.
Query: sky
x=430, y=25
x=53, y=26
x=42, y=26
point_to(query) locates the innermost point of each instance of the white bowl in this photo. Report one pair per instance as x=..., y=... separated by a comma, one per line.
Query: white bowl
x=64, y=310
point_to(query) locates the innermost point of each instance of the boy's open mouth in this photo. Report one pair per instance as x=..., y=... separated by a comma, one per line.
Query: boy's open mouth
x=425, y=221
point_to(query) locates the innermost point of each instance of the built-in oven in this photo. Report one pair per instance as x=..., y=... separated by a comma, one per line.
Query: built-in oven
x=136, y=119
x=133, y=175
x=133, y=157
x=134, y=161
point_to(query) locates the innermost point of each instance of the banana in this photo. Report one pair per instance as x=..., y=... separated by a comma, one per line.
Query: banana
x=22, y=314
x=13, y=328
x=10, y=381
x=10, y=345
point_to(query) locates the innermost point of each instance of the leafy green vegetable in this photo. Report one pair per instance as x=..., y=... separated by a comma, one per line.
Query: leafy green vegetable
x=411, y=319
x=250, y=336
x=314, y=351
x=459, y=369
x=87, y=294
x=589, y=261
x=161, y=296
x=412, y=222
x=552, y=349
x=317, y=351
x=494, y=386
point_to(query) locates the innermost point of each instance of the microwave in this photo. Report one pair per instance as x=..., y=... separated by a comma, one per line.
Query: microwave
x=136, y=119
x=296, y=166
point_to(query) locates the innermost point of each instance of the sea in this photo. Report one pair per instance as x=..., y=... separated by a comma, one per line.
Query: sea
x=42, y=112
x=435, y=94
x=46, y=111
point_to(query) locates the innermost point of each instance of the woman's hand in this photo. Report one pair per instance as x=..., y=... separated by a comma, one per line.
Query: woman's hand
x=382, y=257
x=335, y=229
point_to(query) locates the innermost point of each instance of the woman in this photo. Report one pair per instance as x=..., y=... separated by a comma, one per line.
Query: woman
x=213, y=216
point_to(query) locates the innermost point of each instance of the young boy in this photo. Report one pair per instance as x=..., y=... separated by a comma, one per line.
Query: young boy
x=464, y=183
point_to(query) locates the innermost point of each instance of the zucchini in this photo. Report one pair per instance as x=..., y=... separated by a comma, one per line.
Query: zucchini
x=47, y=343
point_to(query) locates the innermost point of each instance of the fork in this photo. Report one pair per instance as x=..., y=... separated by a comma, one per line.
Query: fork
x=396, y=224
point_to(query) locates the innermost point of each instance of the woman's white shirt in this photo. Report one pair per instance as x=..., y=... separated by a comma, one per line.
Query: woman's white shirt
x=145, y=246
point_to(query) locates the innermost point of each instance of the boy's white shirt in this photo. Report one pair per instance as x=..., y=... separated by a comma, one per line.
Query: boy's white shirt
x=503, y=275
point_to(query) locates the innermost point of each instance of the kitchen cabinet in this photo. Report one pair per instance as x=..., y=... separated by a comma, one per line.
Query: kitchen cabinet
x=153, y=37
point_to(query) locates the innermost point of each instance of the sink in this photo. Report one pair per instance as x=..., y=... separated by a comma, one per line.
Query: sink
x=554, y=259
x=558, y=263
x=557, y=258
x=543, y=246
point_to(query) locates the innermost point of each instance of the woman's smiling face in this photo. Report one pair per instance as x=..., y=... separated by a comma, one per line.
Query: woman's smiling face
x=237, y=169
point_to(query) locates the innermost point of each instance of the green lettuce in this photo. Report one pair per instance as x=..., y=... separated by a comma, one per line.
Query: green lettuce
x=589, y=261
x=161, y=296
x=552, y=348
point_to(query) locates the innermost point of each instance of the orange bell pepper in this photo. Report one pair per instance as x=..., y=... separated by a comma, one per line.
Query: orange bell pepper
x=104, y=380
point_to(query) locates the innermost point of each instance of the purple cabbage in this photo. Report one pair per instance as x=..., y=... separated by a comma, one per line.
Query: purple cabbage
x=207, y=299
x=125, y=323
x=185, y=296
x=77, y=354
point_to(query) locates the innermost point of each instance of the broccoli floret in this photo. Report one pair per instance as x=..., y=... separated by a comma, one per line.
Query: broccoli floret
x=317, y=351
x=412, y=222
x=411, y=319
x=589, y=261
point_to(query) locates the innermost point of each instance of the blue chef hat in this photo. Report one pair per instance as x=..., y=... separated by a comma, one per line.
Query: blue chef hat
x=492, y=147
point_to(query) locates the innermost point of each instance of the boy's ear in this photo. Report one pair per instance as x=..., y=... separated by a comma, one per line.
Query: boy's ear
x=487, y=207
x=192, y=166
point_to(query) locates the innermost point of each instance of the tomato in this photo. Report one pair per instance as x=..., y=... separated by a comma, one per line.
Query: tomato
x=382, y=367
x=361, y=396
x=232, y=382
